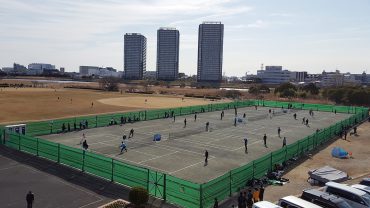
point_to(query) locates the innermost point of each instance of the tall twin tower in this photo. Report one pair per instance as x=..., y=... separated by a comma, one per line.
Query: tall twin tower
x=210, y=49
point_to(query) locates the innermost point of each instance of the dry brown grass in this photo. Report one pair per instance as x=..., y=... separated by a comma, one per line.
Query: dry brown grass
x=24, y=104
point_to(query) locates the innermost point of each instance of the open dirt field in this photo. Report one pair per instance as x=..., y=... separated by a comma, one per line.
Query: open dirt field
x=24, y=104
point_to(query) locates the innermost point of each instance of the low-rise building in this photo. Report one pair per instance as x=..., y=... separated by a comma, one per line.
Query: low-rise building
x=89, y=71
x=298, y=76
x=151, y=75
x=40, y=68
x=274, y=75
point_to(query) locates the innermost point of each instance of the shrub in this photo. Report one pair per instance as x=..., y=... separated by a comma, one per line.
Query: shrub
x=138, y=196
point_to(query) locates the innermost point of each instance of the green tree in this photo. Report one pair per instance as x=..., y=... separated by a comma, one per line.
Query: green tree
x=288, y=93
x=138, y=196
x=311, y=88
x=253, y=90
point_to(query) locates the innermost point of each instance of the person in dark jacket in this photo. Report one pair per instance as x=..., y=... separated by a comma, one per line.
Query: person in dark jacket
x=240, y=200
x=215, y=205
x=30, y=198
x=262, y=191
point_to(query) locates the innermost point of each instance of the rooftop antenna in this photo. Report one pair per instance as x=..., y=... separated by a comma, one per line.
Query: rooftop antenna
x=262, y=66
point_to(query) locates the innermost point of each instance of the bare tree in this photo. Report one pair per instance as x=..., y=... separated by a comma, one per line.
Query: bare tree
x=109, y=83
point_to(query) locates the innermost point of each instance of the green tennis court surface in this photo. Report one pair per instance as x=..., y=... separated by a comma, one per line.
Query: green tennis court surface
x=181, y=150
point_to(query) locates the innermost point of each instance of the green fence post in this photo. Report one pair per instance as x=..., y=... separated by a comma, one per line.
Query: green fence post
x=253, y=170
x=286, y=153
x=58, y=153
x=96, y=121
x=83, y=161
x=37, y=146
x=230, y=183
x=201, y=196
x=148, y=180
x=164, y=187
x=19, y=141
x=111, y=178
x=3, y=136
x=271, y=161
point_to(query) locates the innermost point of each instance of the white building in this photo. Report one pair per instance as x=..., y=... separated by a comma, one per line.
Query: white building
x=39, y=68
x=332, y=79
x=274, y=75
x=297, y=76
x=89, y=71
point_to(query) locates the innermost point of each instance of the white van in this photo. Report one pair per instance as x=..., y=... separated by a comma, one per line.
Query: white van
x=295, y=202
x=362, y=188
x=355, y=197
x=265, y=204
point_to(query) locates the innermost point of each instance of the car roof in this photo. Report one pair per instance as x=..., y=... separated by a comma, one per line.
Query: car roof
x=325, y=195
x=362, y=187
x=266, y=204
x=300, y=201
x=345, y=188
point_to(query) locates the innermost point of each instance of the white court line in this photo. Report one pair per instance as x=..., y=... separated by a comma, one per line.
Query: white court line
x=139, y=165
x=202, y=144
x=112, y=140
x=158, y=157
x=190, y=166
x=131, y=149
x=259, y=141
x=167, y=147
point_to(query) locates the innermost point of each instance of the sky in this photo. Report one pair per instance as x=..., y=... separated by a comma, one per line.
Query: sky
x=300, y=35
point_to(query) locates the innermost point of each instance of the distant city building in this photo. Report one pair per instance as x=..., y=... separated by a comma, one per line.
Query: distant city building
x=62, y=70
x=17, y=69
x=89, y=71
x=210, y=52
x=167, y=53
x=332, y=79
x=297, y=76
x=40, y=68
x=7, y=69
x=134, y=56
x=274, y=75
x=150, y=75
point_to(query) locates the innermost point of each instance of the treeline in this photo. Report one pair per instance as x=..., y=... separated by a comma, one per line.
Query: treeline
x=348, y=95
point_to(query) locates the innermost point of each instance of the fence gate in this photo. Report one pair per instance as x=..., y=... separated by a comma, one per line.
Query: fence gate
x=157, y=184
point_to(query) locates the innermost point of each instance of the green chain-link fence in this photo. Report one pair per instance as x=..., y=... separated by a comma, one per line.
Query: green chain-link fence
x=164, y=186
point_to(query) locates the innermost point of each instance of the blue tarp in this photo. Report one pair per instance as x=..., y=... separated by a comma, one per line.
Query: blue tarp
x=339, y=152
x=157, y=137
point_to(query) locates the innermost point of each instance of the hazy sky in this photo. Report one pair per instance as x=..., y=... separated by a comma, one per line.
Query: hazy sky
x=310, y=35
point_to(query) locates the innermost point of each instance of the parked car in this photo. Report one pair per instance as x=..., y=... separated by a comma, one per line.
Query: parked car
x=362, y=188
x=295, y=202
x=265, y=204
x=324, y=199
x=354, y=197
x=365, y=181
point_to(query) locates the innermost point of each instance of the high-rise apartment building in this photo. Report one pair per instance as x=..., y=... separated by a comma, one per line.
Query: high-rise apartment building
x=167, y=53
x=134, y=56
x=210, y=49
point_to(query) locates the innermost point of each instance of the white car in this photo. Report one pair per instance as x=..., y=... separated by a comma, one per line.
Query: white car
x=265, y=204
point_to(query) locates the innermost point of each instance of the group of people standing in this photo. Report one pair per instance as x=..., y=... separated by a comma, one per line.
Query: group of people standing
x=84, y=124
x=247, y=199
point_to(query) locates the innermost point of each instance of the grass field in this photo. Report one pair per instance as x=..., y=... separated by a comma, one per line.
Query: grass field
x=25, y=104
x=181, y=151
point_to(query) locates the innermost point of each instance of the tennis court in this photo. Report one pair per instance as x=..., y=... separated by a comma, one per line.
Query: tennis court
x=181, y=150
